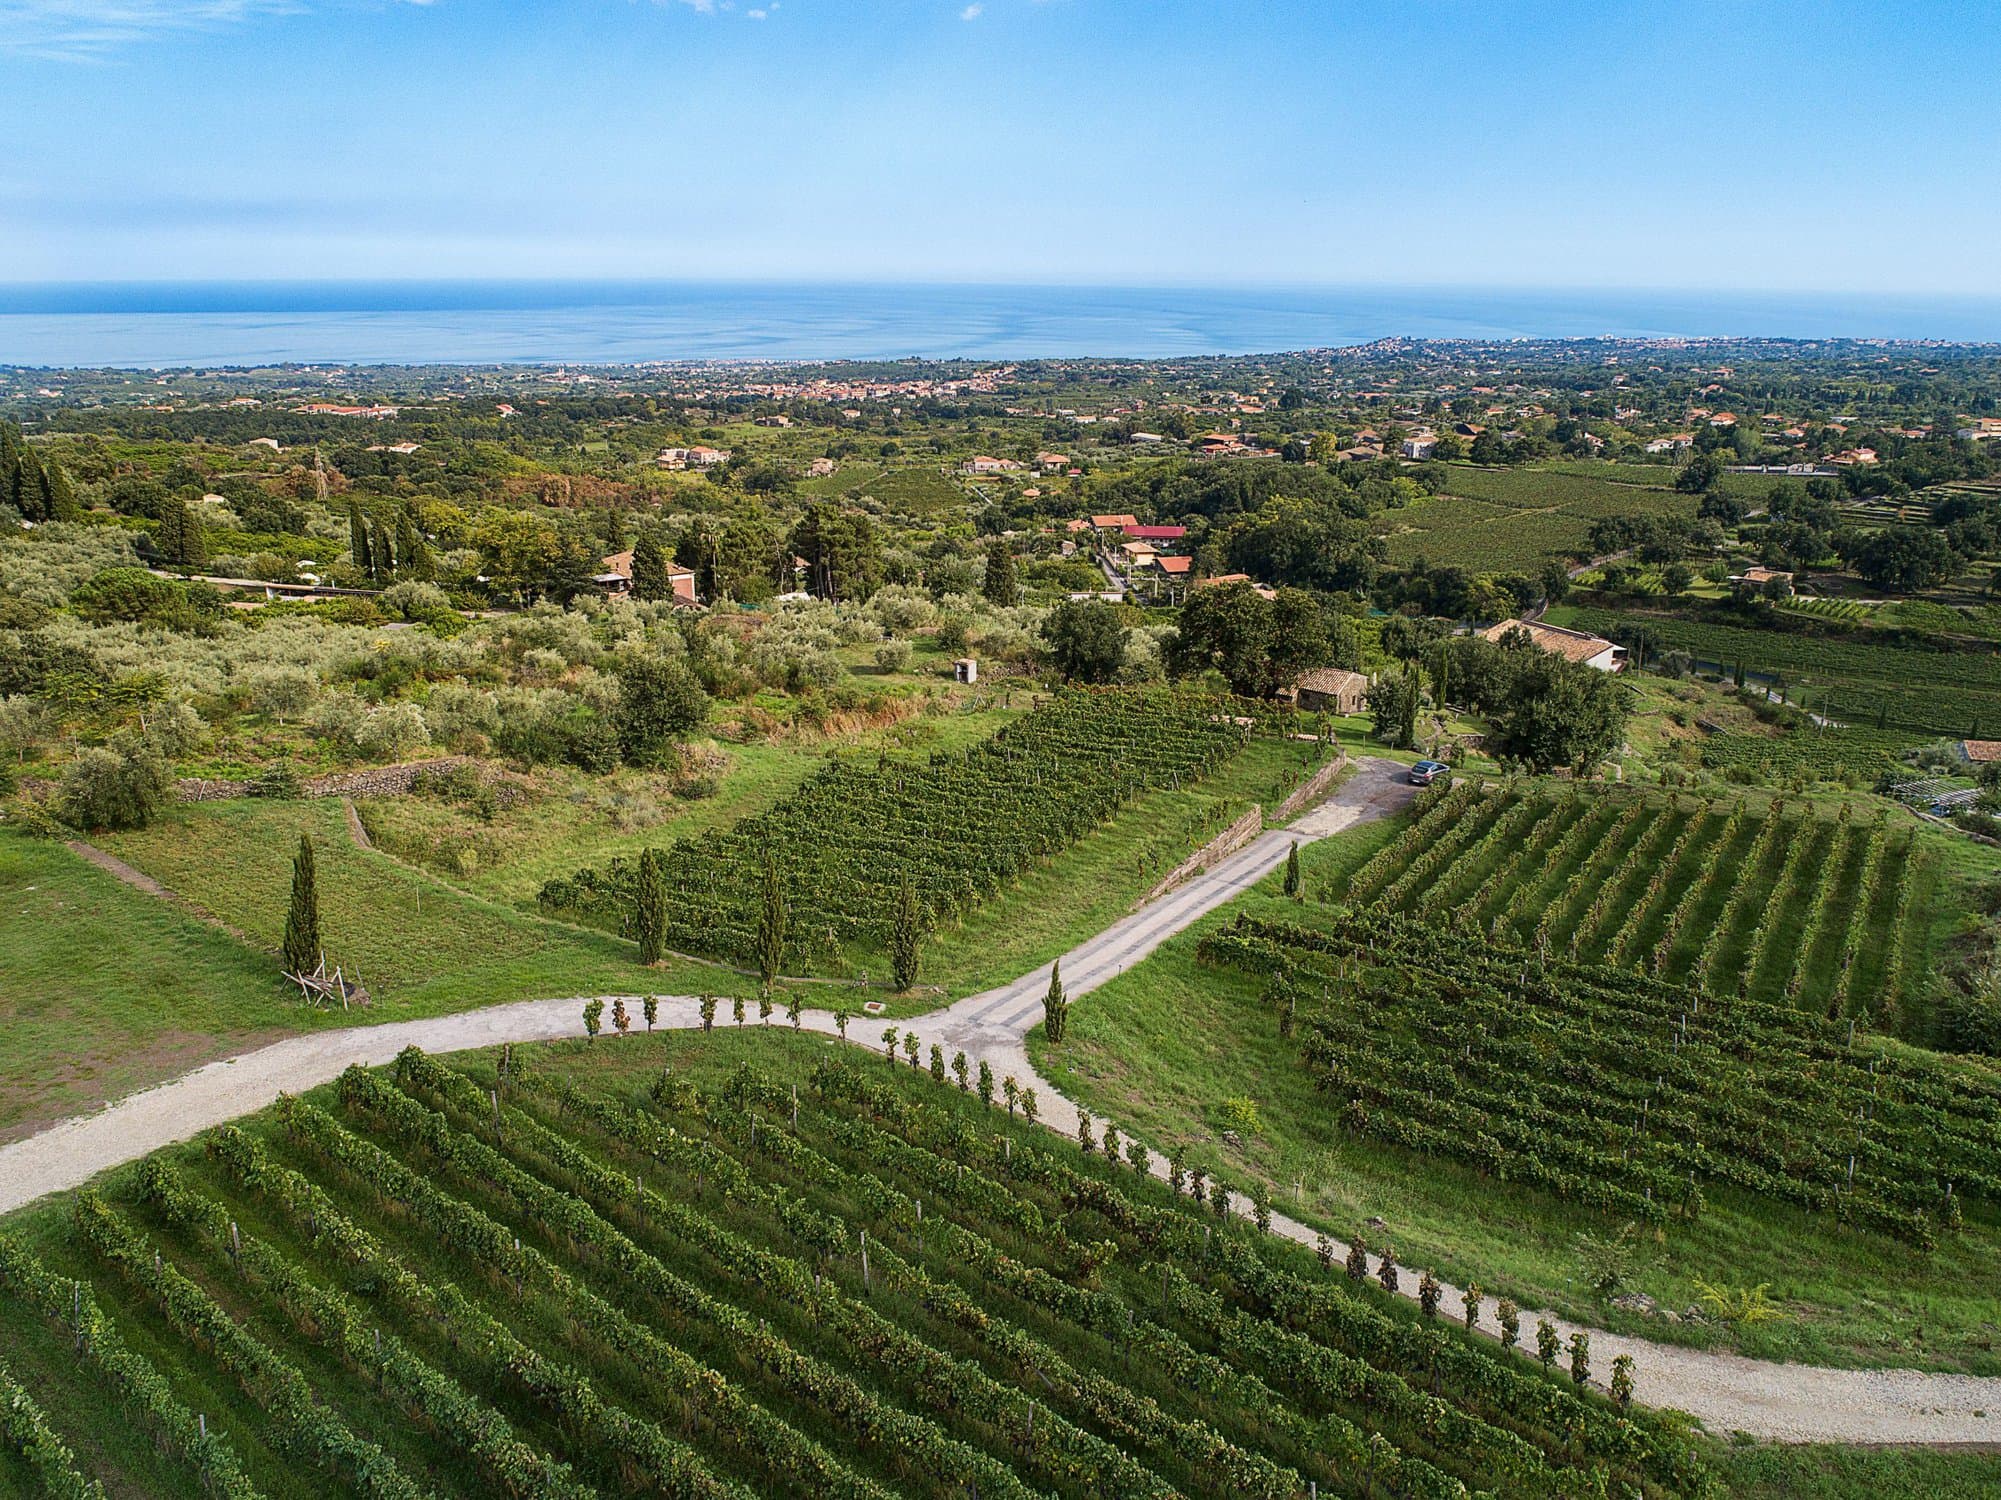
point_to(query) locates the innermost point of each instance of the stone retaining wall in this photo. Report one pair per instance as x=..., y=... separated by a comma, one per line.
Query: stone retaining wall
x=372, y=781
x=1310, y=790
x=1218, y=849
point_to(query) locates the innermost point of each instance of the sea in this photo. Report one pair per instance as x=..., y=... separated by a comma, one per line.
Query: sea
x=162, y=325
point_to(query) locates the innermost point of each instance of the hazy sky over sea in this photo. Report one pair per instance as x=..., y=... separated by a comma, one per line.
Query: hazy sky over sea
x=1579, y=143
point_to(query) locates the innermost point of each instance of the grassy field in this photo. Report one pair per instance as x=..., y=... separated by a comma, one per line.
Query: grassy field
x=480, y=1309
x=421, y=947
x=104, y=990
x=1165, y=1047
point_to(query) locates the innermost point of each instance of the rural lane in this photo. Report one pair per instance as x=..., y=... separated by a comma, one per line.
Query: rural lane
x=1726, y=1392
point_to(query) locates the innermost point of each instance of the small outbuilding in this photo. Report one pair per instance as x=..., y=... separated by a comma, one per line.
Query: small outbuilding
x=965, y=669
x=1332, y=690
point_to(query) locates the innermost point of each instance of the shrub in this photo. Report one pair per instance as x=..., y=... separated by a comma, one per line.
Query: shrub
x=281, y=692
x=121, y=787
x=893, y=656
x=1240, y=1114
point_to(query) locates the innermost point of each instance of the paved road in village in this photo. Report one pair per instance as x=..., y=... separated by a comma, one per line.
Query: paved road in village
x=1793, y=1403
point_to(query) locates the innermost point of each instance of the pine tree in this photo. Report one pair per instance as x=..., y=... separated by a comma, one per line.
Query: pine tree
x=1292, y=872
x=649, y=567
x=650, y=921
x=903, y=938
x=302, y=918
x=1055, y=1006
x=1002, y=585
x=771, y=923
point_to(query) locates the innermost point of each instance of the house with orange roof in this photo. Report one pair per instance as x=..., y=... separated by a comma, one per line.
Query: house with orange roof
x=1222, y=578
x=1572, y=645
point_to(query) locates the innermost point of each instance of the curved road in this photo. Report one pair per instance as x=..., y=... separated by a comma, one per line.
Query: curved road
x=1791, y=1403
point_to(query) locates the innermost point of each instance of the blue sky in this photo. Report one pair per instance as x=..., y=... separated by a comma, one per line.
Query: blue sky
x=1776, y=146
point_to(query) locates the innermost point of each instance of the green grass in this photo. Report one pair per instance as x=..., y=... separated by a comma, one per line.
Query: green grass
x=1161, y=1048
x=421, y=947
x=104, y=990
x=1772, y=1471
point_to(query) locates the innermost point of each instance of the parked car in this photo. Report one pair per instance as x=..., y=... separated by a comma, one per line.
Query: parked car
x=1427, y=771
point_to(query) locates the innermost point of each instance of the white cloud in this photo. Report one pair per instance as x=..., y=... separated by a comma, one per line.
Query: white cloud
x=971, y=13
x=89, y=30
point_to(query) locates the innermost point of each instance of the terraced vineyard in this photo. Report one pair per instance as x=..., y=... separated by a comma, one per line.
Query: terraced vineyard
x=491, y=1281
x=1956, y=694
x=956, y=827
x=1785, y=906
x=1619, y=1091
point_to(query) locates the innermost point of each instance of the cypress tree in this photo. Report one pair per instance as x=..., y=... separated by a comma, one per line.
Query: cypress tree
x=903, y=938
x=771, y=923
x=1055, y=1005
x=651, y=922
x=173, y=522
x=649, y=567
x=1001, y=586
x=63, y=505
x=1292, y=871
x=1413, y=690
x=410, y=546
x=181, y=538
x=302, y=918
x=357, y=537
x=381, y=559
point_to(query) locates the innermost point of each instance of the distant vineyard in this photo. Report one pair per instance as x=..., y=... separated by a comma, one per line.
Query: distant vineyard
x=1627, y=1093
x=1502, y=519
x=1784, y=906
x=502, y=1284
x=1810, y=754
x=958, y=826
x=1956, y=694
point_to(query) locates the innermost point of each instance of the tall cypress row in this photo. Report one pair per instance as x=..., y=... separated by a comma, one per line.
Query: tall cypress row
x=651, y=922
x=357, y=537
x=302, y=918
x=1055, y=1005
x=381, y=558
x=903, y=938
x=771, y=919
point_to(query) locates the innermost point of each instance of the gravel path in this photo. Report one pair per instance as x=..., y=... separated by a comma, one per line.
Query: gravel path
x=1726, y=1392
